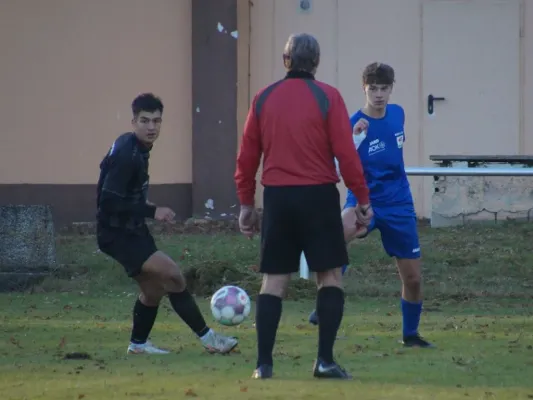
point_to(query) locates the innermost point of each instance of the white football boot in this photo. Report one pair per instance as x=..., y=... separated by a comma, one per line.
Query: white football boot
x=214, y=342
x=145, y=348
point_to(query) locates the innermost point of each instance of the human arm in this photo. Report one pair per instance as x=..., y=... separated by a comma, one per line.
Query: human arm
x=360, y=125
x=248, y=159
x=340, y=132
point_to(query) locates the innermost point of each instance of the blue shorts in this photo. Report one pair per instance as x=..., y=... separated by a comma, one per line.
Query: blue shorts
x=398, y=228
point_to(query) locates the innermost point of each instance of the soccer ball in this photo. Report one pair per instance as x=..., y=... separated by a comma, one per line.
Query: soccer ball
x=230, y=305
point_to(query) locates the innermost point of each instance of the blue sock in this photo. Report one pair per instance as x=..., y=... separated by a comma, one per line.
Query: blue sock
x=411, y=317
x=344, y=268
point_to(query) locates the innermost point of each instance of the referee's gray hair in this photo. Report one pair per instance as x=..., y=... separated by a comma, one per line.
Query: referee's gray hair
x=302, y=53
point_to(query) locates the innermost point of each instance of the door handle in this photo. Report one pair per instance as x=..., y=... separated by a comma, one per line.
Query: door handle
x=431, y=100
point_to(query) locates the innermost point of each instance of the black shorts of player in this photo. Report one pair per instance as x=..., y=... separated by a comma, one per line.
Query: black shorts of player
x=131, y=249
x=302, y=218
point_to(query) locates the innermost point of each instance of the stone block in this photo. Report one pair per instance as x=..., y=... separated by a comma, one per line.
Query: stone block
x=468, y=199
x=27, y=243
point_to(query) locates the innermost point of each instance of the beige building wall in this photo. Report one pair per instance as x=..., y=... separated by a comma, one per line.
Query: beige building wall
x=478, y=54
x=68, y=72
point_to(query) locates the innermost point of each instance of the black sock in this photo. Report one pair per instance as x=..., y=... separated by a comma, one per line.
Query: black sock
x=329, y=309
x=143, y=321
x=185, y=306
x=268, y=314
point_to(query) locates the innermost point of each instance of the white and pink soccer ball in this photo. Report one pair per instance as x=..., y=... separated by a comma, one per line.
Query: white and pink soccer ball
x=230, y=305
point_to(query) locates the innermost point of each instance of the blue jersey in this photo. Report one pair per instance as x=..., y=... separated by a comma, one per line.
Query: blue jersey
x=381, y=153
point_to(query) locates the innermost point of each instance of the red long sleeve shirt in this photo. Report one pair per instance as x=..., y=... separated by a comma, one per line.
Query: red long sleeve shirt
x=299, y=125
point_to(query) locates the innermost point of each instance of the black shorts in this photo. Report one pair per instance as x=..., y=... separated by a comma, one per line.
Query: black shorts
x=302, y=218
x=130, y=249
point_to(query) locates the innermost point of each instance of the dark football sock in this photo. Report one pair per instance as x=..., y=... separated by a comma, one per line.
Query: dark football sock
x=329, y=308
x=185, y=306
x=143, y=321
x=411, y=317
x=268, y=314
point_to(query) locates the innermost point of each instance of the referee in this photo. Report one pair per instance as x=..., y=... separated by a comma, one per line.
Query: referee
x=299, y=125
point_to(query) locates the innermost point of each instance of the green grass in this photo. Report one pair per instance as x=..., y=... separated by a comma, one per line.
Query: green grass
x=471, y=262
x=480, y=353
x=479, y=312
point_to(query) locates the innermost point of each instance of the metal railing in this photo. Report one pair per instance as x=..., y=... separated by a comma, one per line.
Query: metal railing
x=474, y=171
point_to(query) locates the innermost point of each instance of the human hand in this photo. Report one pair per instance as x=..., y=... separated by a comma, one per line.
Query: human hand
x=353, y=229
x=248, y=221
x=165, y=214
x=360, y=126
x=364, y=214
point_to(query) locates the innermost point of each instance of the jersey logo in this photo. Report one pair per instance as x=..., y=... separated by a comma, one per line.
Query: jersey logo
x=400, y=138
x=399, y=141
x=376, y=146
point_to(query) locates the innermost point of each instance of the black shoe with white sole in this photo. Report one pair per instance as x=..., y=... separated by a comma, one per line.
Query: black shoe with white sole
x=329, y=371
x=416, y=341
x=263, y=372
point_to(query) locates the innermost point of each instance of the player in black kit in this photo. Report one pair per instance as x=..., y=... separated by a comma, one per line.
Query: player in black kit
x=122, y=233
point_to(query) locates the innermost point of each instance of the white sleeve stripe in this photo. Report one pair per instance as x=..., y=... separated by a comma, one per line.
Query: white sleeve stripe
x=337, y=167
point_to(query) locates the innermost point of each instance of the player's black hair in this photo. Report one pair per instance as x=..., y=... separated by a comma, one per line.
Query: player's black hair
x=146, y=102
x=378, y=74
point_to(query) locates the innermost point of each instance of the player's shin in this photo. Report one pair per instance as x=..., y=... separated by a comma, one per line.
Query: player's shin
x=411, y=302
x=185, y=306
x=268, y=315
x=411, y=312
x=330, y=310
x=143, y=320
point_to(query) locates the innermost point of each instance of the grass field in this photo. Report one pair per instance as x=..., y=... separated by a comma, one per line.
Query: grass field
x=478, y=311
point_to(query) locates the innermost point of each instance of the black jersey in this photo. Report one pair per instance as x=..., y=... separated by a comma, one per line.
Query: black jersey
x=123, y=185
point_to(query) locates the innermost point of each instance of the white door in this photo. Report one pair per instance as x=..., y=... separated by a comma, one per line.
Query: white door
x=471, y=61
x=471, y=57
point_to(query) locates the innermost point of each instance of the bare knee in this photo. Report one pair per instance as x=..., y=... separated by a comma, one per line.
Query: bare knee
x=167, y=272
x=413, y=282
x=151, y=297
x=151, y=290
x=174, y=280
x=275, y=285
x=332, y=277
x=348, y=222
x=410, y=274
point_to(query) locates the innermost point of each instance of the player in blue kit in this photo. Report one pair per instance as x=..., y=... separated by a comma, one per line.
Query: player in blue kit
x=379, y=137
